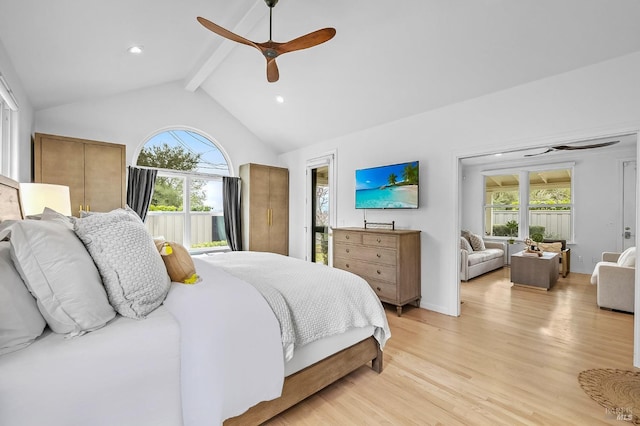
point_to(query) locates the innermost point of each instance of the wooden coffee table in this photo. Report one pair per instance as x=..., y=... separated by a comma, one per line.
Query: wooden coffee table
x=538, y=272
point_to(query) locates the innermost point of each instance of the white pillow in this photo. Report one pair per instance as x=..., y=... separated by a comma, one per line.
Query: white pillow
x=131, y=267
x=20, y=319
x=476, y=242
x=628, y=258
x=464, y=244
x=60, y=274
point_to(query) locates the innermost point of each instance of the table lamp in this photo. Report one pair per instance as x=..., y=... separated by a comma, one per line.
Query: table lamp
x=36, y=196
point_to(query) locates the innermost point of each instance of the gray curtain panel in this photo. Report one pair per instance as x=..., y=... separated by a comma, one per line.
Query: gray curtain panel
x=231, y=209
x=140, y=185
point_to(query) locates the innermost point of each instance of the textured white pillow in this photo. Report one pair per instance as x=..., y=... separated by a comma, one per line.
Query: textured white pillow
x=465, y=245
x=131, y=267
x=476, y=242
x=20, y=319
x=60, y=274
x=628, y=258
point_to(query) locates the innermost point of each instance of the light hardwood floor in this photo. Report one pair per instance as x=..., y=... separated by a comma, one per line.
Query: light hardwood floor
x=512, y=357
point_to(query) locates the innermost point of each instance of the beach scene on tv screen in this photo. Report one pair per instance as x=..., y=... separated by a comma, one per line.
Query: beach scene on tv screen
x=388, y=187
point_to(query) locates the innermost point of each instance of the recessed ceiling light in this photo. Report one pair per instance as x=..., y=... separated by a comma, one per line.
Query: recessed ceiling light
x=280, y=99
x=498, y=154
x=135, y=50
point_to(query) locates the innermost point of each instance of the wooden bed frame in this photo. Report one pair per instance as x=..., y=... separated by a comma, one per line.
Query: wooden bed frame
x=297, y=386
x=10, y=205
x=306, y=382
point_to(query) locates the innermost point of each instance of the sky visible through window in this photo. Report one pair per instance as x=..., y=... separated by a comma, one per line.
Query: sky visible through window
x=212, y=161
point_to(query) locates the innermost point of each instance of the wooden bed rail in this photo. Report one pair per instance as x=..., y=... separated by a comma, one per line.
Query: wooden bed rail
x=306, y=382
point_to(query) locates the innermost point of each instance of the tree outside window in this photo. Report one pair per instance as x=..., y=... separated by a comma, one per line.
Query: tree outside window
x=190, y=170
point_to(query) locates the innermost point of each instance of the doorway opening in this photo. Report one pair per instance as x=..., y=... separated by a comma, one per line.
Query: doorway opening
x=321, y=208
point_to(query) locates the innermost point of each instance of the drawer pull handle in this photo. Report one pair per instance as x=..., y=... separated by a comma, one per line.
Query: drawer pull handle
x=346, y=237
x=347, y=265
x=379, y=289
x=378, y=271
x=347, y=250
x=378, y=255
x=378, y=240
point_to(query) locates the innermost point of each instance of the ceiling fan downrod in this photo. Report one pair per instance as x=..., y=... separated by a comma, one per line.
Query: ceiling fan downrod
x=271, y=4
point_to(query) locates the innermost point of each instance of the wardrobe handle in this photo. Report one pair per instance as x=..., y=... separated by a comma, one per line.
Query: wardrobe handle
x=88, y=208
x=347, y=250
x=378, y=255
x=378, y=272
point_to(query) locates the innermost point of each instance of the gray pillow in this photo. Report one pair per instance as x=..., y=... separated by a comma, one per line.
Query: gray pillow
x=60, y=274
x=20, y=319
x=131, y=267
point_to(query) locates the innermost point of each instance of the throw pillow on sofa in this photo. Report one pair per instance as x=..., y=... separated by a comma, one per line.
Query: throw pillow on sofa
x=465, y=244
x=476, y=242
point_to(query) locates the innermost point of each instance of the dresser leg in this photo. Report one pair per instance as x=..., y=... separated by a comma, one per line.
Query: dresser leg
x=399, y=310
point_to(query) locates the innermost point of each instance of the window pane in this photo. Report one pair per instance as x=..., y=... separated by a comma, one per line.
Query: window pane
x=501, y=222
x=550, y=204
x=502, y=205
x=207, y=221
x=165, y=218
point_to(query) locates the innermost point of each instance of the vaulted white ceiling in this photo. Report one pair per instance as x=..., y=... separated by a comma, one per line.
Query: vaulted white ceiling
x=389, y=59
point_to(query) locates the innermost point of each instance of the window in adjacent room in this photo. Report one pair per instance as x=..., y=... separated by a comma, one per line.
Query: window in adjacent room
x=186, y=206
x=533, y=200
x=550, y=203
x=502, y=205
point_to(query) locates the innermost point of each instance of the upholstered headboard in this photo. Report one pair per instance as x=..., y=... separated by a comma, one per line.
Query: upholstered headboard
x=10, y=205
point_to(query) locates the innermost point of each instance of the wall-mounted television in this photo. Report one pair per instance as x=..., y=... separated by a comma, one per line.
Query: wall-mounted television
x=388, y=187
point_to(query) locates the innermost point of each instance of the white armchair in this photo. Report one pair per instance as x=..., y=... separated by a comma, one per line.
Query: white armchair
x=615, y=278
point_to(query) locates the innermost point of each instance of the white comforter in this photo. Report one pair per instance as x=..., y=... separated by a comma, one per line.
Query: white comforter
x=311, y=301
x=231, y=354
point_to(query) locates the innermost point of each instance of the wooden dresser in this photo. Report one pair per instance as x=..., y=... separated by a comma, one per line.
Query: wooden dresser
x=388, y=260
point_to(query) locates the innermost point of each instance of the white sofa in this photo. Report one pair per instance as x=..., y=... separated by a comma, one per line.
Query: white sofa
x=615, y=278
x=478, y=262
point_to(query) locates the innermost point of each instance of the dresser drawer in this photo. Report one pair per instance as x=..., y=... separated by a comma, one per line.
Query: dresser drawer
x=379, y=240
x=366, y=270
x=347, y=237
x=385, y=291
x=369, y=254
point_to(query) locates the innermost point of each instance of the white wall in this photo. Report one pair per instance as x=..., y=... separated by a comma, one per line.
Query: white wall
x=586, y=102
x=597, y=200
x=25, y=117
x=133, y=117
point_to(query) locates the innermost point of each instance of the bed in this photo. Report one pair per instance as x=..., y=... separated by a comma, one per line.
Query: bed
x=215, y=352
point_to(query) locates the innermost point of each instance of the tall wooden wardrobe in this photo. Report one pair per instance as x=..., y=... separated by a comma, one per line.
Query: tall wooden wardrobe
x=94, y=171
x=265, y=208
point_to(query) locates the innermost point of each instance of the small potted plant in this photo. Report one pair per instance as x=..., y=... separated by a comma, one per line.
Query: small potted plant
x=512, y=230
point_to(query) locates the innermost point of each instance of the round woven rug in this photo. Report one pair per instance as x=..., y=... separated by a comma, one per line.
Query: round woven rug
x=616, y=390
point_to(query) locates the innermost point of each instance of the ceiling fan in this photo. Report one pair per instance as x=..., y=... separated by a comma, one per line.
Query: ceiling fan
x=271, y=49
x=573, y=147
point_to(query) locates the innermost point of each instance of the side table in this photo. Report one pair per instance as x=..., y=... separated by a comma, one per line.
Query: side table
x=539, y=272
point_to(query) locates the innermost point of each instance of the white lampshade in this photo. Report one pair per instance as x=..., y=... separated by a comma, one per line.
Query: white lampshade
x=36, y=196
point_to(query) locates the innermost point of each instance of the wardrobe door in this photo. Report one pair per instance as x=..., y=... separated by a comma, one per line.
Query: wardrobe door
x=259, y=229
x=104, y=177
x=61, y=162
x=279, y=205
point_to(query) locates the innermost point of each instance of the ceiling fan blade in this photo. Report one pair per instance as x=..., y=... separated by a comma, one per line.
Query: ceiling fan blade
x=594, y=145
x=306, y=41
x=272, y=70
x=539, y=153
x=225, y=33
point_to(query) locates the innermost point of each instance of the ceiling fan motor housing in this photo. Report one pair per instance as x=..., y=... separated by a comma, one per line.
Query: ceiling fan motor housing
x=271, y=3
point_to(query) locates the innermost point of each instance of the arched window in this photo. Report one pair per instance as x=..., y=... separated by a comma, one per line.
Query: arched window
x=186, y=206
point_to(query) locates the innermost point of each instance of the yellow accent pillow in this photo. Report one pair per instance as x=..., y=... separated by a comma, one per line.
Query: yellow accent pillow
x=178, y=262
